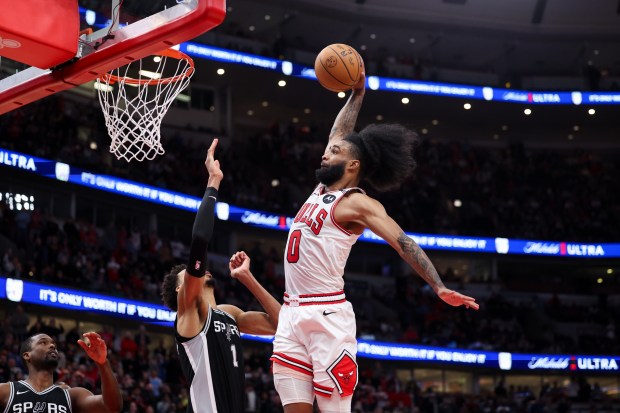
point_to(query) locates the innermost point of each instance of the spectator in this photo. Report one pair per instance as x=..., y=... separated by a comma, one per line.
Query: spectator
x=19, y=321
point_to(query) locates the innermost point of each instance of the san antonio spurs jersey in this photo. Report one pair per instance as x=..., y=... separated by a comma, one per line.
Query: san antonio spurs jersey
x=24, y=399
x=212, y=363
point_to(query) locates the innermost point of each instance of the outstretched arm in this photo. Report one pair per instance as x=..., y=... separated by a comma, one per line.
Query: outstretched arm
x=362, y=209
x=110, y=400
x=253, y=322
x=201, y=234
x=345, y=121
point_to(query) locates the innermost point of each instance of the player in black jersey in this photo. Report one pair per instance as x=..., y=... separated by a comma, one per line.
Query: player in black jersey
x=39, y=394
x=207, y=334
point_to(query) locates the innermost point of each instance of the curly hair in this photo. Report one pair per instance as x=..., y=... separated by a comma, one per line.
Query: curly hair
x=169, y=287
x=385, y=152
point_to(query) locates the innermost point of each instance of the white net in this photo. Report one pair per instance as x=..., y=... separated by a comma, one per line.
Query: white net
x=134, y=99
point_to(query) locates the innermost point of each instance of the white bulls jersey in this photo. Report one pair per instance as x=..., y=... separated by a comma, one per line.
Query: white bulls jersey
x=318, y=247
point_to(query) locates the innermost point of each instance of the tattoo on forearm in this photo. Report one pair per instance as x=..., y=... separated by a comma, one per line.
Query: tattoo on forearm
x=417, y=258
x=345, y=121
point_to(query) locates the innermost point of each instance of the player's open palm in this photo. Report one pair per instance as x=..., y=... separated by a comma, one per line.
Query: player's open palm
x=456, y=299
x=239, y=266
x=212, y=164
x=94, y=346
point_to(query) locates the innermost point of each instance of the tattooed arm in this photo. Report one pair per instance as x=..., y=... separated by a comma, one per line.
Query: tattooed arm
x=345, y=121
x=358, y=211
x=411, y=252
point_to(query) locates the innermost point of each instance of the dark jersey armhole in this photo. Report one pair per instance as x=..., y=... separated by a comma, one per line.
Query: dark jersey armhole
x=182, y=339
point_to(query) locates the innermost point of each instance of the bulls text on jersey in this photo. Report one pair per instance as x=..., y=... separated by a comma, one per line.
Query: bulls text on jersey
x=306, y=216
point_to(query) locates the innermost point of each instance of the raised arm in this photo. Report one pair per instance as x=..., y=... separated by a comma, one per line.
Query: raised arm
x=193, y=281
x=345, y=121
x=369, y=213
x=253, y=322
x=110, y=400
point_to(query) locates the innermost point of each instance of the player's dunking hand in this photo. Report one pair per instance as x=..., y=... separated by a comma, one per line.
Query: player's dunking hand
x=360, y=86
x=213, y=166
x=95, y=347
x=456, y=299
x=239, y=265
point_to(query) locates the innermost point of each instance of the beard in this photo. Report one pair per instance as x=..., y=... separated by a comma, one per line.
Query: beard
x=331, y=174
x=48, y=363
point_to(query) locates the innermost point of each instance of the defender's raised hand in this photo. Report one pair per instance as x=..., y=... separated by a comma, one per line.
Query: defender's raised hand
x=95, y=347
x=213, y=166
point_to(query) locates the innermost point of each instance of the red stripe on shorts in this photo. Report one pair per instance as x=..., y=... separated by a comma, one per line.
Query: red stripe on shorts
x=322, y=390
x=292, y=363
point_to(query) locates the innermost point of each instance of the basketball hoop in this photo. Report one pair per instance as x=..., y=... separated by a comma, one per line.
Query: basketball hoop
x=134, y=105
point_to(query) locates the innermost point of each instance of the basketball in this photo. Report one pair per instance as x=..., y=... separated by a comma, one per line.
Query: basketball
x=338, y=67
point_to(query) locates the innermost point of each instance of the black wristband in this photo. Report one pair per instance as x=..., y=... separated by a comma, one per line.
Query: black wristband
x=210, y=192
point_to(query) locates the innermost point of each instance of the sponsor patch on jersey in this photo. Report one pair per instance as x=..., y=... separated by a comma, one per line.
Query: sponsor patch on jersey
x=329, y=198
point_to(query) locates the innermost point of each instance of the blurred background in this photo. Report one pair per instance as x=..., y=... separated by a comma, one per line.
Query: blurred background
x=535, y=173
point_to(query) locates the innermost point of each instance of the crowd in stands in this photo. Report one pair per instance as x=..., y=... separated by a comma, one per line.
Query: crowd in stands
x=512, y=191
x=130, y=262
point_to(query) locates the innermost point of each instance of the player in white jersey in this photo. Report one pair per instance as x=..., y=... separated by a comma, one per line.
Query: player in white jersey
x=315, y=345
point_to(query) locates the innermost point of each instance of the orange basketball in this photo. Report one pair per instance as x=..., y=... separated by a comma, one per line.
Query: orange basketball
x=338, y=67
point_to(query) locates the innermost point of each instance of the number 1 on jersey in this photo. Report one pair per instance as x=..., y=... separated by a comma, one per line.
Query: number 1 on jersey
x=292, y=249
x=233, y=349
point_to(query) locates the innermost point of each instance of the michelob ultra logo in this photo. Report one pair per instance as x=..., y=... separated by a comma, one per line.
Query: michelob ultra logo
x=560, y=363
x=596, y=363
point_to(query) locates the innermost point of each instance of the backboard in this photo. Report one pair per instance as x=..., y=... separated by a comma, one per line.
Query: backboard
x=114, y=33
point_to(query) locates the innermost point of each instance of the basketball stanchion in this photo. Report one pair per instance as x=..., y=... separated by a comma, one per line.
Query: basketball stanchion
x=134, y=99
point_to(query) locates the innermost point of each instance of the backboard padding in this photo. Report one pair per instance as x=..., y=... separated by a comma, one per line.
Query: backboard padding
x=160, y=31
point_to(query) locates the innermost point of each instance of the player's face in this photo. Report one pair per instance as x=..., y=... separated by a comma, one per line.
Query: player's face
x=209, y=280
x=333, y=163
x=43, y=353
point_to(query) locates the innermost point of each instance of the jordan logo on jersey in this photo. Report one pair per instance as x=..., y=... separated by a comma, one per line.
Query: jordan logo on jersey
x=306, y=216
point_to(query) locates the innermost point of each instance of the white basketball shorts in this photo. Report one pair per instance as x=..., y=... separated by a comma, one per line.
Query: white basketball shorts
x=316, y=337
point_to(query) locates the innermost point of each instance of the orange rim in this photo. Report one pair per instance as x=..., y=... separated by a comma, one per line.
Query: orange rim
x=175, y=54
